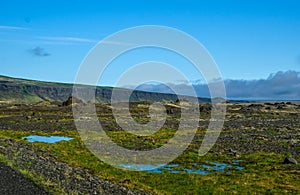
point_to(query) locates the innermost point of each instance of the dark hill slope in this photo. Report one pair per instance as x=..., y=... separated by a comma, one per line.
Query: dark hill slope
x=29, y=91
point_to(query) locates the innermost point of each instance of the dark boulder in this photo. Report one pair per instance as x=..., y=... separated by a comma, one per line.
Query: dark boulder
x=279, y=107
x=72, y=100
x=257, y=106
x=234, y=152
x=290, y=160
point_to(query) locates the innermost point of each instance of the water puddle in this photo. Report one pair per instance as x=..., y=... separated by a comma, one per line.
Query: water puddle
x=204, y=169
x=47, y=139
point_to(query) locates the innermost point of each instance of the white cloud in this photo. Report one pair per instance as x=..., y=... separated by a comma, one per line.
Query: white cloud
x=278, y=86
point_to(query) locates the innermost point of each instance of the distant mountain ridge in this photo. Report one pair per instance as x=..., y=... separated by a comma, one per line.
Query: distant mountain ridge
x=18, y=90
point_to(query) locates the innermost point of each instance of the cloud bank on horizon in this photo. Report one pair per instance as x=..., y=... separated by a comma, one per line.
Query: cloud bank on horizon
x=278, y=86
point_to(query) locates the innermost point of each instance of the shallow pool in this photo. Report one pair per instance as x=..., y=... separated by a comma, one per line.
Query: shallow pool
x=46, y=139
x=203, y=169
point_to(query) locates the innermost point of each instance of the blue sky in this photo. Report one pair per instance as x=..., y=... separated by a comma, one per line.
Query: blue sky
x=47, y=40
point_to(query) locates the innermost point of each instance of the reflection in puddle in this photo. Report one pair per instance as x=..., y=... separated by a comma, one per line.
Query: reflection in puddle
x=205, y=169
x=47, y=139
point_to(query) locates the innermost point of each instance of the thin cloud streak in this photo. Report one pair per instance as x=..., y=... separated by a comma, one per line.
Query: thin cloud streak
x=62, y=40
x=12, y=28
x=116, y=43
x=37, y=42
x=69, y=39
x=83, y=40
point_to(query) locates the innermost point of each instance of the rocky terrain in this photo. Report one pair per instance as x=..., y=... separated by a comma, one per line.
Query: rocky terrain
x=13, y=182
x=71, y=180
x=264, y=127
x=247, y=127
